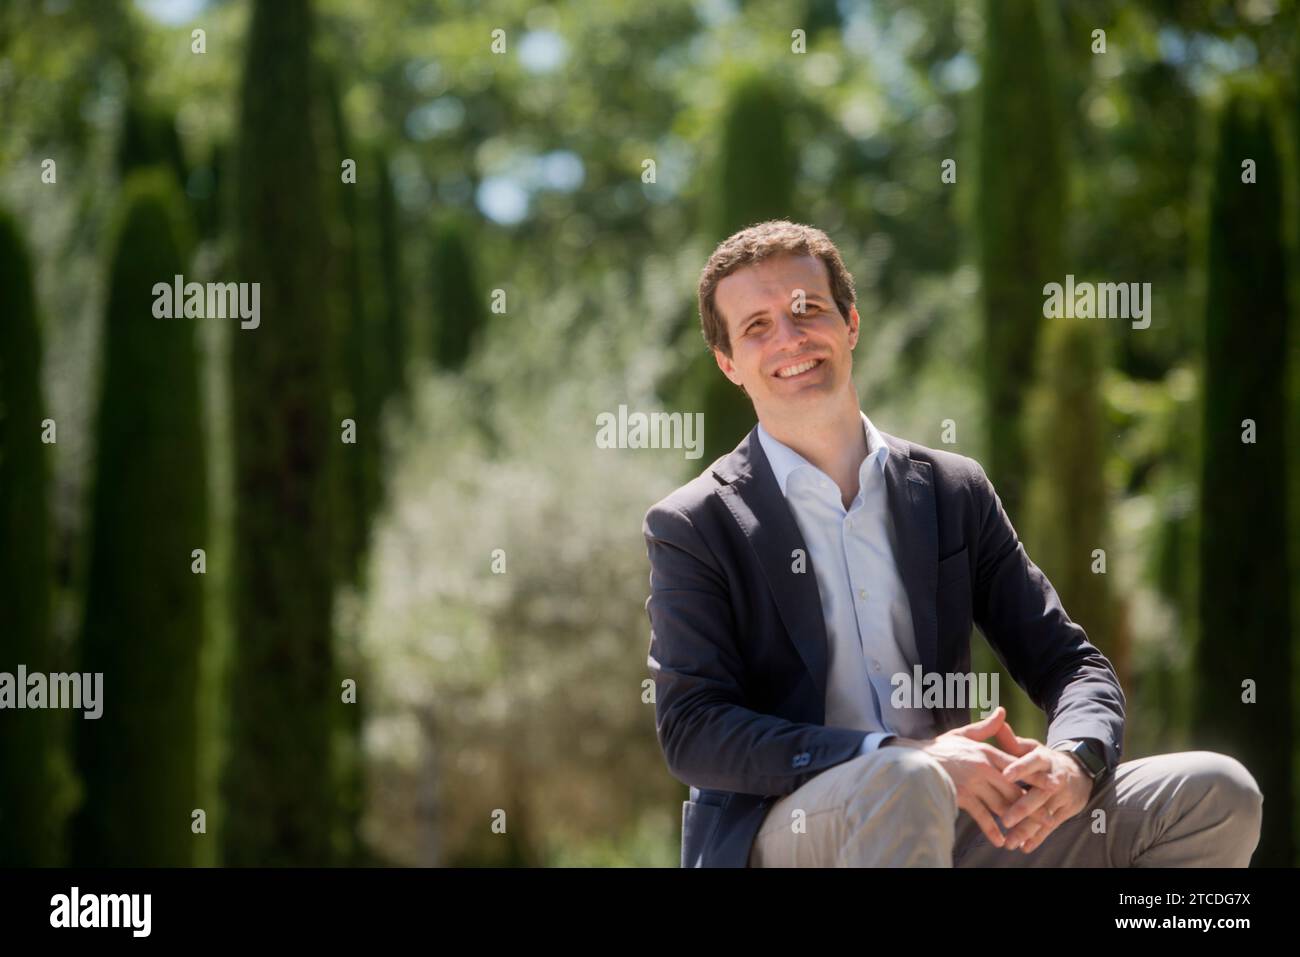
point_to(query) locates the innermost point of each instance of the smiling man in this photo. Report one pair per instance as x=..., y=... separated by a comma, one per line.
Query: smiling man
x=798, y=573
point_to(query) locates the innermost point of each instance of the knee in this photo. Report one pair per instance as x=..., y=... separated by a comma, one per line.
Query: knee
x=1234, y=789
x=915, y=782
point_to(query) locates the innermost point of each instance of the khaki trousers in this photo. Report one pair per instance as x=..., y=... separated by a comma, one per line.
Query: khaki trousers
x=897, y=807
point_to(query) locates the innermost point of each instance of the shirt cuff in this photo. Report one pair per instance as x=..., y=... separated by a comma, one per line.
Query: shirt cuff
x=873, y=741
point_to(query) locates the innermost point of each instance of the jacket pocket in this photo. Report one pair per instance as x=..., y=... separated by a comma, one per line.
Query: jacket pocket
x=953, y=567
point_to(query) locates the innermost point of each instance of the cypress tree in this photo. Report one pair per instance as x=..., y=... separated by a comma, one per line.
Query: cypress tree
x=358, y=369
x=149, y=137
x=1245, y=616
x=279, y=784
x=144, y=621
x=392, y=292
x=755, y=182
x=1067, y=498
x=1019, y=203
x=358, y=473
x=459, y=311
x=28, y=738
x=206, y=193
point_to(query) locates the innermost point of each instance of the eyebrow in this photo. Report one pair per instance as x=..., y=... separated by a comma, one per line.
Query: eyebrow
x=808, y=297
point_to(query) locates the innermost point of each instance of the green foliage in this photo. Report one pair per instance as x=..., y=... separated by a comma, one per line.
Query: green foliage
x=279, y=785
x=144, y=619
x=1246, y=627
x=28, y=739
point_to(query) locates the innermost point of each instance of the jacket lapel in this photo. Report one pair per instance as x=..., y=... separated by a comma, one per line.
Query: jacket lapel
x=751, y=494
x=910, y=485
x=755, y=500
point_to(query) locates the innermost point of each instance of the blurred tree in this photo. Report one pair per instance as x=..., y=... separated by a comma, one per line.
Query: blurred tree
x=205, y=190
x=144, y=620
x=1246, y=629
x=359, y=463
x=29, y=738
x=1019, y=205
x=392, y=293
x=459, y=309
x=1067, y=500
x=148, y=137
x=358, y=369
x=1019, y=201
x=279, y=784
x=754, y=181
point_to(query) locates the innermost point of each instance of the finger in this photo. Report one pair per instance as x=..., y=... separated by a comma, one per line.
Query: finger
x=1033, y=829
x=984, y=728
x=1012, y=743
x=1039, y=779
x=1009, y=790
x=1060, y=813
x=999, y=759
x=1035, y=761
x=981, y=816
x=1035, y=841
x=1028, y=804
x=993, y=799
x=1027, y=830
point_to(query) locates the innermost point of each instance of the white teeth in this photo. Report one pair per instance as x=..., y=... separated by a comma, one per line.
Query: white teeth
x=796, y=370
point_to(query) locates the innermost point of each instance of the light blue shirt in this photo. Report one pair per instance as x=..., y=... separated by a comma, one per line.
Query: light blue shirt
x=869, y=629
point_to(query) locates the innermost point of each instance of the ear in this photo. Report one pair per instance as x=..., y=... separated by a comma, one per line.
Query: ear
x=726, y=365
x=854, y=326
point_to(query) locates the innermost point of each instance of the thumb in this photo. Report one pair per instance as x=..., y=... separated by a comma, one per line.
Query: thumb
x=985, y=727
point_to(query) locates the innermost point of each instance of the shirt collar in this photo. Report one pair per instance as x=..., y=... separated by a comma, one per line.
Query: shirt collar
x=785, y=460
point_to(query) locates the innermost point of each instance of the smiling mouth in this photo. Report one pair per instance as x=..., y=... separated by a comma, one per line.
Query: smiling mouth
x=798, y=369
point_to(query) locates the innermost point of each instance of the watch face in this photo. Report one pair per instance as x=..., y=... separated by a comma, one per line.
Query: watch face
x=1094, y=762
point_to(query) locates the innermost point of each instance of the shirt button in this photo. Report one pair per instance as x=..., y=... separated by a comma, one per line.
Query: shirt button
x=862, y=593
x=875, y=664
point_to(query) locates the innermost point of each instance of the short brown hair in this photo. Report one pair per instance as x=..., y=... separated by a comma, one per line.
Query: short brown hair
x=776, y=237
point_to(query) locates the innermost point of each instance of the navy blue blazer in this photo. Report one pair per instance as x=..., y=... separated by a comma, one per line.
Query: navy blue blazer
x=738, y=639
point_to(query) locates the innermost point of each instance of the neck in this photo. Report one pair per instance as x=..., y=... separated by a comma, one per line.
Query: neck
x=833, y=440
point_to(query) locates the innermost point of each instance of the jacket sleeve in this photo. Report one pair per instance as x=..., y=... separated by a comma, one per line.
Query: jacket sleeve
x=1048, y=654
x=709, y=737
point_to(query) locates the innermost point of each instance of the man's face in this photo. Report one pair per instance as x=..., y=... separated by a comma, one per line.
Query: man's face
x=770, y=339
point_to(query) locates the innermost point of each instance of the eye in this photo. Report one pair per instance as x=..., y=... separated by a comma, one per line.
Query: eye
x=754, y=325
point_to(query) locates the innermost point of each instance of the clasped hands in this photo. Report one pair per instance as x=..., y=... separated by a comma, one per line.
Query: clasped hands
x=988, y=780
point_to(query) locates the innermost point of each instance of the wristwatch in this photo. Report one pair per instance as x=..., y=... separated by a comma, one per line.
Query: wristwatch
x=1085, y=753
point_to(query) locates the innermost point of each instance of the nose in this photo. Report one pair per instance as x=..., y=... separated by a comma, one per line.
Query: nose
x=789, y=333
